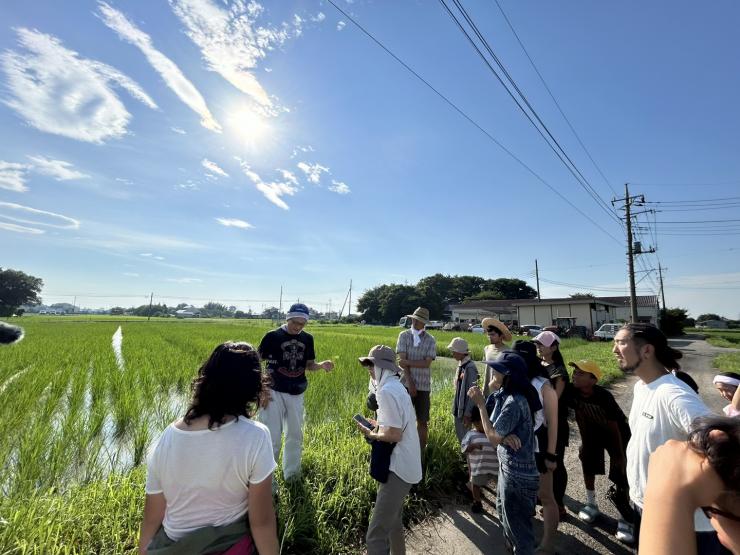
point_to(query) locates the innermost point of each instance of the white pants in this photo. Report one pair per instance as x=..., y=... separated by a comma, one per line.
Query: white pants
x=285, y=411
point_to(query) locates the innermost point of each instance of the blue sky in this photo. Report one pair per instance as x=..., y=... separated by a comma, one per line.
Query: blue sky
x=207, y=150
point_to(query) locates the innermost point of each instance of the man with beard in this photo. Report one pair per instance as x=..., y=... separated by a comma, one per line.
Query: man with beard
x=663, y=408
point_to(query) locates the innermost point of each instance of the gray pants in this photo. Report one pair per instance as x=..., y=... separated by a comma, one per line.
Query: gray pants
x=385, y=533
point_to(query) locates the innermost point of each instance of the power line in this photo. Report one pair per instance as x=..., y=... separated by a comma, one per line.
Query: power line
x=470, y=119
x=552, y=96
x=559, y=151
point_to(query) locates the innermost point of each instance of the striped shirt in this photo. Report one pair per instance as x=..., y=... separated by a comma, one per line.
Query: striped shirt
x=426, y=349
x=484, y=460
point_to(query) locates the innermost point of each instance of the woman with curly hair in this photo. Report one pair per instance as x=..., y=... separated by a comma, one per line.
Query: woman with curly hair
x=209, y=477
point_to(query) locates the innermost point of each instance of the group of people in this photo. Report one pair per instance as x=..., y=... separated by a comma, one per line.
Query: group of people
x=210, y=485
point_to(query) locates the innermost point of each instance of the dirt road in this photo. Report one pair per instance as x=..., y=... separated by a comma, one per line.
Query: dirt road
x=455, y=531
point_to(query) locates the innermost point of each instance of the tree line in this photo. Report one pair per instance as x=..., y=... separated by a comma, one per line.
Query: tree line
x=385, y=304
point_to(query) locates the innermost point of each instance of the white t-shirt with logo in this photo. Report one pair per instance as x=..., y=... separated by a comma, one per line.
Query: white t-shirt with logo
x=661, y=410
x=205, y=474
x=396, y=411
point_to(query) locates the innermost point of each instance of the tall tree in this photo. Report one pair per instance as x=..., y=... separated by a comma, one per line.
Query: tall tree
x=17, y=288
x=710, y=316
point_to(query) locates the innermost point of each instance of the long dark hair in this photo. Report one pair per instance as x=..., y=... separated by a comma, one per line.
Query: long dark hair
x=557, y=356
x=722, y=450
x=230, y=382
x=644, y=334
x=517, y=381
x=528, y=351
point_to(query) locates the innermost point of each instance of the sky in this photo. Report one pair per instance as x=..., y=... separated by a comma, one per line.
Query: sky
x=206, y=150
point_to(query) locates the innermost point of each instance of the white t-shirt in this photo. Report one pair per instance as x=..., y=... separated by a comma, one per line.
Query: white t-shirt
x=661, y=410
x=395, y=410
x=205, y=474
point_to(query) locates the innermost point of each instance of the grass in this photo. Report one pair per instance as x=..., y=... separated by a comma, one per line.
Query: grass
x=74, y=430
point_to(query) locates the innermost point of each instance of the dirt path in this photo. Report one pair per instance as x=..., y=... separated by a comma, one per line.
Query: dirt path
x=456, y=531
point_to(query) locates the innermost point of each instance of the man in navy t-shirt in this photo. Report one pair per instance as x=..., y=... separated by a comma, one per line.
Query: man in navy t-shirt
x=288, y=352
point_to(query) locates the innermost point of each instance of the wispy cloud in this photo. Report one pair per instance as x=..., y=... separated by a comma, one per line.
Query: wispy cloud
x=172, y=75
x=33, y=216
x=131, y=274
x=341, y=25
x=21, y=229
x=339, y=187
x=58, y=92
x=179, y=130
x=233, y=222
x=213, y=168
x=313, y=171
x=184, y=280
x=13, y=176
x=273, y=191
x=289, y=176
x=298, y=149
x=58, y=169
x=231, y=42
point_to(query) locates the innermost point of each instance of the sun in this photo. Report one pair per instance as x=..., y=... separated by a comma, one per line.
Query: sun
x=251, y=128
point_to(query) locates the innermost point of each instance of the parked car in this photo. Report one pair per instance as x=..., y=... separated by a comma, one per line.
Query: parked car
x=476, y=328
x=530, y=330
x=434, y=325
x=607, y=332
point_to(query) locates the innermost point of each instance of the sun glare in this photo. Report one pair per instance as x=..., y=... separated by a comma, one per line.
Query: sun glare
x=251, y=129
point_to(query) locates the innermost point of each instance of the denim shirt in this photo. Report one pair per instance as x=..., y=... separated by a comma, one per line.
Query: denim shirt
x=511, y=415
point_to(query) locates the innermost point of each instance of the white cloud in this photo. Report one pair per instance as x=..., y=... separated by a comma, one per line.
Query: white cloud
x=184, y=280
x=289, y=176
x=173, y=77
x=273, y=191
x=231, y=42
x=233, y=222
x=297, y=149
x=339, y=187
x=341, y=25
x=213, y=168
x=124, y=181
x=58, y=169
x=179, y=130
x=147, y=254
x=313, y=171
x=131, y=274
x=21, y=229
x=20, y=214
x=13, y=176
x=58, y=92
x=319, y=17
x=188, y=185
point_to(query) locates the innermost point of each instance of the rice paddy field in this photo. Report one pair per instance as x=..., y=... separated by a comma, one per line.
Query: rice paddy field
x=82, y=400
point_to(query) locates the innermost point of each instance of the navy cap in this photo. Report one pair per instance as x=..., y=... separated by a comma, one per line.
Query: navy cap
x=508, y=362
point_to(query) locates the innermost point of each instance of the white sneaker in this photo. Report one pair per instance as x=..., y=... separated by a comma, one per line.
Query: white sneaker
x=625, y=532
x=588, y=513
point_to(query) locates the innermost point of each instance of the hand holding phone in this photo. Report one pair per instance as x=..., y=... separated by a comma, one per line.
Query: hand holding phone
x=362, y=421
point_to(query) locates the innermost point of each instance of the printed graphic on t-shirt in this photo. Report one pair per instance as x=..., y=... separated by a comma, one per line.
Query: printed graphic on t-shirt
x=293, y=356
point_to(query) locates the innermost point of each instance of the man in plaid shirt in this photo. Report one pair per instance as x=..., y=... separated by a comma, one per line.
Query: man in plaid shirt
x=416, y=350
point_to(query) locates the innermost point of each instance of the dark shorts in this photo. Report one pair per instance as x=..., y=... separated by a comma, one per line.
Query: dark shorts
x=422, y=405
x=593, y=460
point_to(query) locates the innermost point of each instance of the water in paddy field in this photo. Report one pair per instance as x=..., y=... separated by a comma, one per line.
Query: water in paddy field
x=117, y=344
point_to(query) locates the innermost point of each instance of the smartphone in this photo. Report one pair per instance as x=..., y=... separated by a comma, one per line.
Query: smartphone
x=362, y=421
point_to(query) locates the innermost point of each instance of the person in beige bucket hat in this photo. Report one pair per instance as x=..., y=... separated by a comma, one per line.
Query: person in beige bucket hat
x=466, y=376
x=416, y=350
x=396, y=424
x=497, y=333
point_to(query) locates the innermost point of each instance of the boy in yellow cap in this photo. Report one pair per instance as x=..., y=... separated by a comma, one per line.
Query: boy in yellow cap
x=603, y=427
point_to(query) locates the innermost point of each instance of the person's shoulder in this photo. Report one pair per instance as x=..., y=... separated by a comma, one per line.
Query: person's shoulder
x=249, y=426
x=305, y=336
x=603, y=392
x=277, y=332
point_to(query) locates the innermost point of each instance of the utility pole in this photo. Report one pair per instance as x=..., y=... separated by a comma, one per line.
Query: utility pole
x=349, y=308
x=662, y=291
x=631, y=251
x=537, y=275
x=280, y=306
x=151, y=298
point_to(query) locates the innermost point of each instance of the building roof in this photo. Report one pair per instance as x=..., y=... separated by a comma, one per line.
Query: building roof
x=564, y=300
x=642, y=300
x=498, y=304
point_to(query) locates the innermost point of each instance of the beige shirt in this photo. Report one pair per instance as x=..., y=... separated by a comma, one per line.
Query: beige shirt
x=490, y=352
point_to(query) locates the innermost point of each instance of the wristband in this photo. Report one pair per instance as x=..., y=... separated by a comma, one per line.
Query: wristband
x=551, y=457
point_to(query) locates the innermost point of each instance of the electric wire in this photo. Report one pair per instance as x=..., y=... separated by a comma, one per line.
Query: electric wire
x=470, y=119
